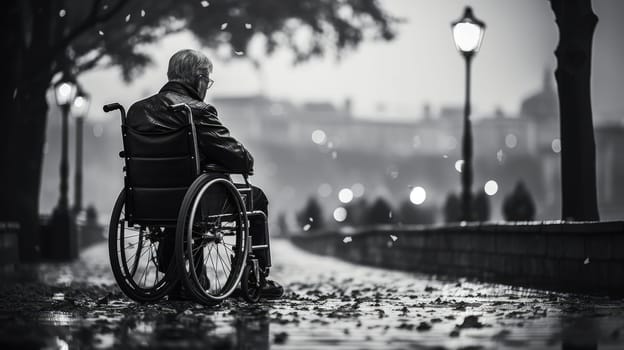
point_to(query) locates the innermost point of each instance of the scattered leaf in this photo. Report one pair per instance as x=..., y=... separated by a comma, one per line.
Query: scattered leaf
x=471, y=321
x=280, y=338
x=423, y=326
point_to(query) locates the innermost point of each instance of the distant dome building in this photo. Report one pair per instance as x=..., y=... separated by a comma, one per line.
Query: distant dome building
x=542, y=107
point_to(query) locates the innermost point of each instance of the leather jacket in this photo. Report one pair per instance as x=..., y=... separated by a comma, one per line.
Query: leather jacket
x=215, y=144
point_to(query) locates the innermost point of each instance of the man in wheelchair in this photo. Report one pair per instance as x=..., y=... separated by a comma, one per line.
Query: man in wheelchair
x=189, y=79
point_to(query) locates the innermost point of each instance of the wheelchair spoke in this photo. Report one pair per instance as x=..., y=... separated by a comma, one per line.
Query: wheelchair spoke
x=126, y=236
x=206, y=257
x=154, y=254
x=141, y=276
x=147, y=263
x=226, y=247
x=156, y=277
x=153, y=260
x=130, y=245
x=134, y=255
x=199, y=246
x=223, y=264
x=200, y=259
x=214, y=265
x=224, y=204
x=147, y=270
x=138, y=263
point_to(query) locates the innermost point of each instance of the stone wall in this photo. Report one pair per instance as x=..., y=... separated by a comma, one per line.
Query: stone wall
x=580, y=257
x=8, y=246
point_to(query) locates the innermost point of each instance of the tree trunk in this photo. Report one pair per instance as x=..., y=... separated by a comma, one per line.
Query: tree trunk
x=21, y=177
x=576, y=22
x=23, y=120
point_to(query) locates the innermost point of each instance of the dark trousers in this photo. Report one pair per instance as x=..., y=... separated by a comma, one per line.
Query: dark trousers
x=256, y=229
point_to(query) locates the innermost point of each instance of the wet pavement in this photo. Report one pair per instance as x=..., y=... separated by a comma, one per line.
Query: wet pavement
x=328, y=304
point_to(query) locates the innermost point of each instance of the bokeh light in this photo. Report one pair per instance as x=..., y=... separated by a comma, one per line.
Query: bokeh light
x=319, y=137
x=358, y=190
x=491, y=187
x=511, y=141
x=345, y=195
x=340, y=214
x=418, y=195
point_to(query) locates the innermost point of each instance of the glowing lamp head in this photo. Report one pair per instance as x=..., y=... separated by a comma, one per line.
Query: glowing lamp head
x=468, y=33
x=80, y=106
x=64, y=92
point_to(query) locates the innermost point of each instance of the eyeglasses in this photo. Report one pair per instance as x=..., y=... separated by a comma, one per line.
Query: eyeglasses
x=210, y=81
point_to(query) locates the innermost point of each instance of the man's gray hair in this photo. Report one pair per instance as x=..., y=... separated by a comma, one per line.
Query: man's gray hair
x=186, y=65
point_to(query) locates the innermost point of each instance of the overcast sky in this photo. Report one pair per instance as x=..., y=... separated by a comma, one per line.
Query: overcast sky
x=420, y=66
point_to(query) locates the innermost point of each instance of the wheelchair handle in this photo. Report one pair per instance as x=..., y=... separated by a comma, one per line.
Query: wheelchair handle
x=189, y=112
x=116, y=106
x=184, y=107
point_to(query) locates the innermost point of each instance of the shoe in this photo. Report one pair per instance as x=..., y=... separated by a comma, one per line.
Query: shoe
x=179, y=293
x=271, y=290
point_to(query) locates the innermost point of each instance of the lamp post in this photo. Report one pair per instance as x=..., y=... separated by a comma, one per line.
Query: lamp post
x=79, y=109
x=468, y=34
x=64, y=92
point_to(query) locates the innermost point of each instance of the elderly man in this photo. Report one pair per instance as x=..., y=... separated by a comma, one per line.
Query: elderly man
x=189, y=79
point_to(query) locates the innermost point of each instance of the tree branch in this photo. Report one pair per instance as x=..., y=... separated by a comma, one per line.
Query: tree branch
x=89, y=22
x=91, y=63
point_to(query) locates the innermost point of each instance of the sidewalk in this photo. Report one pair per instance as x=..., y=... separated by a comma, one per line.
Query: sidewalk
x=328, y=303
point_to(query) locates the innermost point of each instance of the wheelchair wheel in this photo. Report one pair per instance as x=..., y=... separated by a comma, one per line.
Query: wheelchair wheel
x=212, y=239
x=133, y=257
x=251, y=284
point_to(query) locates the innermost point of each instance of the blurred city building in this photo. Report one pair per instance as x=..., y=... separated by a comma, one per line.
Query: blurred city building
x=316, y=148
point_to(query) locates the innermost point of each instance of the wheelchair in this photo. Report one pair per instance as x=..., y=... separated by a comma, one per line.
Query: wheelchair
x=167, y=192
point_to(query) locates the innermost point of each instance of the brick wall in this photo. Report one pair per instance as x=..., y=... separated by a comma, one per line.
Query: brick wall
x=580, y=257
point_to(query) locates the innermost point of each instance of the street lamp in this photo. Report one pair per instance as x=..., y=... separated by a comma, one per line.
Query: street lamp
x=61, y=244
x=79, y=109
x=468, y=34
x=65, y=92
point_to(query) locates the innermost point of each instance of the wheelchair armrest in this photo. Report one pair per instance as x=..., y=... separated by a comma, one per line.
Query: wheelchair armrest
x=214, y=168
